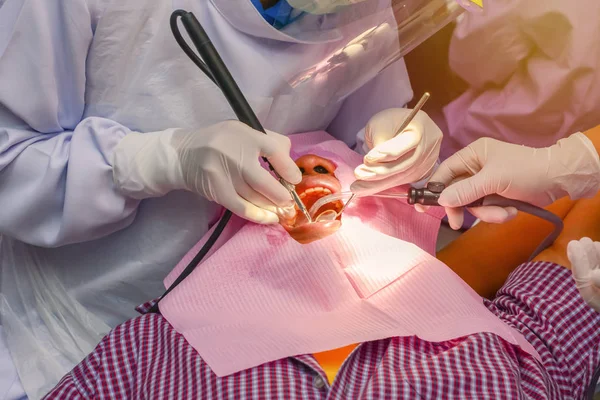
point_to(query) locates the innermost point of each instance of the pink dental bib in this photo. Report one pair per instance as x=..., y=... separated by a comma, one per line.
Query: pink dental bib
x=260, y=296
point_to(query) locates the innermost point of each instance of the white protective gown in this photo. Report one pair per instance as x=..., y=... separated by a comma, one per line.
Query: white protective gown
x=75, y=77
x=533, y=67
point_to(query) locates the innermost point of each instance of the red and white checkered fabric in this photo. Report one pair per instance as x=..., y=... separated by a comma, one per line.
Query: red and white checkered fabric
x=145, y=358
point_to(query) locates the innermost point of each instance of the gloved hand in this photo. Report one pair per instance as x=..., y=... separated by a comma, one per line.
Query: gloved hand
x=220, y=162
x=397, y=160
x=584, y=256
x=571, y=167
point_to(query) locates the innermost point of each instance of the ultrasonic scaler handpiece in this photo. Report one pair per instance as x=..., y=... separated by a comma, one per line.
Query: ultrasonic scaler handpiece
x=429, y=195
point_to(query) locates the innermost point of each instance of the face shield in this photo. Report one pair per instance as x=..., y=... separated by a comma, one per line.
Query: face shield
x=357, y=40
x=320, y=7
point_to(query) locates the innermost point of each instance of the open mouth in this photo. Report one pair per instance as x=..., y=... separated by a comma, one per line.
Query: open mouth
x=318, y=181
x=310, y=196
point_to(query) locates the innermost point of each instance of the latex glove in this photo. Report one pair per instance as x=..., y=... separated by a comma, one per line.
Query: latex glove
x=571, y=167
x=397, y=160
x=220, y=162
x=584, y=256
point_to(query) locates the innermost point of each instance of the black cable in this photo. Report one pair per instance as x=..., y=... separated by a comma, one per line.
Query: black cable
x=218, y=70
x=196, y=260
x=184, y=46
x=227, y=215
x=430, y=195
x=214, y=68
x=539, y=212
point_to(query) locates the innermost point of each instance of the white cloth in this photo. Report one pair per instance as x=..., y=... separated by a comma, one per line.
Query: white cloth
x=584, y=256
x=76, y=77
x=10, y=386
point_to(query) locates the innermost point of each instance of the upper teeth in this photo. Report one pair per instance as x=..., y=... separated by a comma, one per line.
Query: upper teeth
x=317, y=189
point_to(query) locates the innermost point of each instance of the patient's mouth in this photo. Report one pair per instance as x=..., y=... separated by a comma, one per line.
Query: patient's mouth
x=318, y=180
x=310, y=197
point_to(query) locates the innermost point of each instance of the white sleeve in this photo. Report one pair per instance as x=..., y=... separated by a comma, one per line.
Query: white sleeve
x=56, y=182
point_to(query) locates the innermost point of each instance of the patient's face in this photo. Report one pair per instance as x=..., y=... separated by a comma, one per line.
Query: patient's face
x=318, y=180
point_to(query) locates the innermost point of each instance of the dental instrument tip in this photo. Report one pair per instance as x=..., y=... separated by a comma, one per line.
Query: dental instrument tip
x=297, y=199
x=414, y=112
x=348, y=202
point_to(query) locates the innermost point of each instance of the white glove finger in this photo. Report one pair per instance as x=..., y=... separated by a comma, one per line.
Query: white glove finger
x=583, y=255
x=394, y=148
x=593, y=254
x=465, y=191
x=276, y=148
x=596, y=268
x=230, y=199
x=594, y=301
x=267, y=185
x=384, y=125
x=411, y=167
x=456, y=217
x=421, y=208
x=252, y=196
x=463, y=162
x=596, y=278
x=494, y=214
x=577, y=254
x=573, y=251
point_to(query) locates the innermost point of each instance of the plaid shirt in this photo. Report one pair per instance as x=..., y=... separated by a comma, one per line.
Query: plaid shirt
x=145, y=358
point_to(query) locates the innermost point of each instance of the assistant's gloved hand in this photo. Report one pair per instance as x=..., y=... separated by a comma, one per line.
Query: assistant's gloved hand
x=220, y=162
x=584, y=256
x=392, y=161
x=487, y=166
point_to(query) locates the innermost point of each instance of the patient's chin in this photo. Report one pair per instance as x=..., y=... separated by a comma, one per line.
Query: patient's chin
x=308, y=233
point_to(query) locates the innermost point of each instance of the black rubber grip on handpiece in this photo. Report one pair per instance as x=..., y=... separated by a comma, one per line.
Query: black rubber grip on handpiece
x=429, y=195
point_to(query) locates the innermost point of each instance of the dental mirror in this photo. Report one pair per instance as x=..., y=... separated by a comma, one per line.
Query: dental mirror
x=328, y=215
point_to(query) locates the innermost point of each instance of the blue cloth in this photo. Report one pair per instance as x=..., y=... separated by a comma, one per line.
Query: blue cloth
x=279, y=15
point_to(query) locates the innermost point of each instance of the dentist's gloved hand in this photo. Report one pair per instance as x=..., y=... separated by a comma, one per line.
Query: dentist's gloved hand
x=397, y=160
x=220, y=162
x=584, y=256
x=571, y=167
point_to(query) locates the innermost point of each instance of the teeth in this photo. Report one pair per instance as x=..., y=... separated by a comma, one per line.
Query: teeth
x=316, y=190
